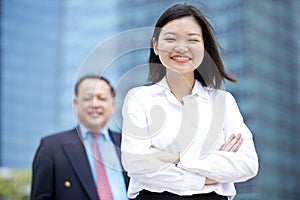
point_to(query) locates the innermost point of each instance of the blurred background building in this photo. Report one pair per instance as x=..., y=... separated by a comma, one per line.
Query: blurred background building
x=46, y=44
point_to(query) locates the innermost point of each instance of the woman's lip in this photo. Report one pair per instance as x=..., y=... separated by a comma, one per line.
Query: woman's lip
x=179, y=58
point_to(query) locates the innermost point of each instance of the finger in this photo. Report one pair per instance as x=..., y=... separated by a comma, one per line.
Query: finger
x=232, y=143
x=237, y=145
x=228, y=141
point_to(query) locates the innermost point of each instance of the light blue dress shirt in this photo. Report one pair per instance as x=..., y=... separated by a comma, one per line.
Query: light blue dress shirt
x=110, y=159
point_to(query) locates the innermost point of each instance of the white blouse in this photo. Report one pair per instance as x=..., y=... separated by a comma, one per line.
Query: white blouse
x=153, y=117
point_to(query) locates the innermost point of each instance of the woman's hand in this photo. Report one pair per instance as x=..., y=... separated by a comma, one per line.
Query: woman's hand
x=232, y=144
x=209, y=181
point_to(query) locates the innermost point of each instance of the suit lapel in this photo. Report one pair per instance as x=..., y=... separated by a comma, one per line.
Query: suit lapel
x=116, y=139
x=76, y=154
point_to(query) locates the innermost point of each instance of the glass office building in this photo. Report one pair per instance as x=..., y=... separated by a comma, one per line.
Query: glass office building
x=46, y=44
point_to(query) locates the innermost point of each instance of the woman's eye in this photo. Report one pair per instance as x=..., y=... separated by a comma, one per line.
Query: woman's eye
x=170, y=39
x=194, y=40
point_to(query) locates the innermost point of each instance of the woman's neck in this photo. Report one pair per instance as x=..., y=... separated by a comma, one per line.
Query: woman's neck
x=180, y=85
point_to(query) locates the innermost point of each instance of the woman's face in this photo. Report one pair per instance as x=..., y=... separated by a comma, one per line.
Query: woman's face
x=180, y=45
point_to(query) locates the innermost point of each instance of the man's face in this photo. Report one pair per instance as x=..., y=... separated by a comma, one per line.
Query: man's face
x=94, y=103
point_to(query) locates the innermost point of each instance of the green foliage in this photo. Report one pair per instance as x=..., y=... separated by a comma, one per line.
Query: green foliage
x=15, y=185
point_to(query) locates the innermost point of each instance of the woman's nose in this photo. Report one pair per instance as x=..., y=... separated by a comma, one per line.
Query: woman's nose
x=180, y=47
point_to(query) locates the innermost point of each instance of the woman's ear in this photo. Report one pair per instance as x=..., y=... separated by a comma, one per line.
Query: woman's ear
x=154, y=44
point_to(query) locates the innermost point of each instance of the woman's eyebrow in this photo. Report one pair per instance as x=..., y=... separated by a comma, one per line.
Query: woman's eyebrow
x=192, y=34
x=169, y=32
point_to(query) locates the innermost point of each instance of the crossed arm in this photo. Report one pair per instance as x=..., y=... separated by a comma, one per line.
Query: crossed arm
x=232, y=144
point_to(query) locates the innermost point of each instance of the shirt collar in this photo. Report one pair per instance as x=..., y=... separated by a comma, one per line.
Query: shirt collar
x=85, y=132
x=198, y=89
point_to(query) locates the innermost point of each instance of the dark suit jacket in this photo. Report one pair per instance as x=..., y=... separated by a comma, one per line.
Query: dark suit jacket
x=61, y=169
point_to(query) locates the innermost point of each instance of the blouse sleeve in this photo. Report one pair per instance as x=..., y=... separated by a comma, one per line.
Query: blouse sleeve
x=224, y=166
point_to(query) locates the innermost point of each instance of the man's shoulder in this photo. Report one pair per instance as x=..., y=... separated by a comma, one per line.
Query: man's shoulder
x=60, y=137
